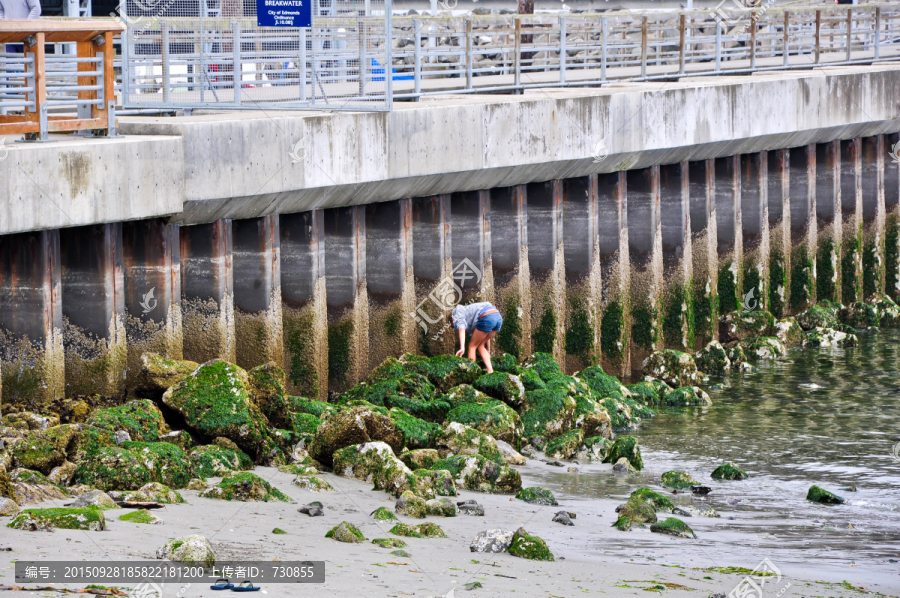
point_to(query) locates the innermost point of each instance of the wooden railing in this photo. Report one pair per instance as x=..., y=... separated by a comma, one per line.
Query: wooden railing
x=36, y=86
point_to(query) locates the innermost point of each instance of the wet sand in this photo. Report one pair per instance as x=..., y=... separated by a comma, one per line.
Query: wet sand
x=243, y=531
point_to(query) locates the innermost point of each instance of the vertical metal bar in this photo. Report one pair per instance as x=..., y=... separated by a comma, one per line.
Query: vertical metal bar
x=644, y=47
x=125, y=40
x=787, y=37
x=562, y=49
x=849, y=31
x=302, y=64
x=361, y=26
x=167, y=84
x=754, y=25
x=236, y=53
x=468, y=53
x=603, y=29
x=417, y=27
x=877, y=31
x=818, y=34
x=681, y=40
x=388, y=60
x=518, y=52
x=718, y=47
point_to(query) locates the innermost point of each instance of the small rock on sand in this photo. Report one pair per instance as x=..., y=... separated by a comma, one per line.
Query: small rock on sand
x=470, y=507
x=563, y=518
x=492, y=540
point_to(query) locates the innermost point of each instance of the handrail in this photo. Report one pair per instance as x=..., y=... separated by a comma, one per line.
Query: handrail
x=31, y=81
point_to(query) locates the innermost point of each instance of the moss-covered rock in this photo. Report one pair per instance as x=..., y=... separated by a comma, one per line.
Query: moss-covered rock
x=114, y=468
x=729, y=471
x=859, y=315
x=180, y=438
x=444, y=371
x=828, y=337
x=441, y=507
x=417, y=433
x=383, y=514
x=480, y=474
x=166, y=462
x=673, y=527
x=8, y=507
x=528, y=546
x=687, y=396
x=637, y=510
x=312, y=483
x=505, y=362
x=602, y=384
x=822, y=496
x=492, y=417
x=888, y=311
x=678, y=480
x=465, y=394
x=738, y=325
x=820, y=315
x=214, y=461
x=675, y=368
x=214, y=400
x=141, y=516
x=142, y=419
x=712, y=359
x=423, y=530
x=420, y=458
x=530, y=379
x=591, y=417
x=548, y=413
x=43, y=450
x=373, y=462
x=87, y=518
x=94, y=498
x=26, y=420
x=198, y=484
x=543, y=365
x=158, y=374
x=191, y=550
x=412, y=393
x=266, y=390
x=427, y=483
x=389, y=542
x=623, y=524
x=410, y=505
x=348, y=427
x=788, y=331
x=459, y=439
x=649, y=391
x=659, y=502
x=763, y=347
x=625, y=446
x=245, y=486
x=502, y=386
x=565, y=445
x=537, y=496
x=155, y=492
x=596, y=448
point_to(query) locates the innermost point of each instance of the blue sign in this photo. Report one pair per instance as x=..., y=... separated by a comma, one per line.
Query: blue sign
x=284, y=13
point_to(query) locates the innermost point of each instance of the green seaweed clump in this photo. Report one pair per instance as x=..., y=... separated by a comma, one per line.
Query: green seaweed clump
x=423, y=530
x=383, y=514
x=678, y=480
x=537, y=496
x=528, y=546
x=638, y=511
x=566, y=445
x=822, y=496
x=687, y=396
x=673, y=527
x=87, y=518
x=625, y=446
x=389, y=542
x=548, y=413
x=141, y=418
x=346, y=532
x=417, y=433
x=729, y=471
x=623, y=524
x=612, y=332
x=170, y=466
x=659, y=502
x=245, y=486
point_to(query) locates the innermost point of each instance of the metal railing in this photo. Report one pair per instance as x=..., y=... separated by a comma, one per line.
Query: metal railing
x=34, y=83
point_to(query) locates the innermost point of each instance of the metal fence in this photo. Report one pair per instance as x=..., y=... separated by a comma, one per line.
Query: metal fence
x=193, y=61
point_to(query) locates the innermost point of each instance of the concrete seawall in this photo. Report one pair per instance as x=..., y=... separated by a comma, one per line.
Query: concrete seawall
x=604, y=223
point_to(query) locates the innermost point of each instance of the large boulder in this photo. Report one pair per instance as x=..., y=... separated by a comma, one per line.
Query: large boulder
x=591, y=417
x=548, y=413
x=821, y=315
x=543, y=365
x=480, y=474
x=860, y=315
x=675, y=368
x=673, y=527
x=214, y=400
x=444, y=371
x=266, y=388
x=687, y=396
x=738, y=325
x=565, y=445
x=788, y=331
x=166, y=462
x=356, y=425
x=412, y=393
x=492, y=417
x=828, y=337
x=492, y=540
x=637, y=510
x=88, y=518
x=627, y=447
x=210, y=460
x=888, y=311
x=190, y=550
x=43, y=450
x=245, y=486
x=649, y=391
x=712, y=359
x=26, y=420
x=155, y=492
x=114, y=468
x=373, y=462
x=159, y=373
x=602, y=384
x=529, y=546
x=763, y=347
x=503, y=387
x=141, y=419
x=459, y=439
x=417, y=433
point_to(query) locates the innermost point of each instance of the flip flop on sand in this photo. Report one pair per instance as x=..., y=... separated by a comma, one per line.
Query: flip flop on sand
x=227, y=585
x=245, y=588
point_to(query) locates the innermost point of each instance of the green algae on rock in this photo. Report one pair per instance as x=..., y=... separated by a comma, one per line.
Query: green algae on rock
x=602, y=384
x=114, y=468
x=788, y=331
x=649, y=391
x=459, y=439
x=492, y=417
x=763, y=347
x=417, y=433
x=675, y=368
x=738, y=325
x=43, y=450
x=383, y=514
x=389, y=542
x=687, y=396
x=444, y=371
x=373, y=462
x=158, y=374
x=312, y=483
x=356, y=425
x=411, y=505
x=166, y=462
x=423, y=530
x=822, y=496
x=213, y=461
x=87, y=518
x=215, y=401
x=827, y=337
x=565, y=445
x=537, y=496
x=528, y=546
x=678, y=480
x=623, y=524
x=543, y=365
x=502, y=386
x=480, y=474
x=659, y=502
x=141, y=516
x=625, y=446
x=141, y=418
x=420, y=458
x=729, y=471
x=245, y=486
x=673, y=527
x=155, y=492
x=548, y=413
x=190, y=550
x=441, y=507
x=637, y=510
